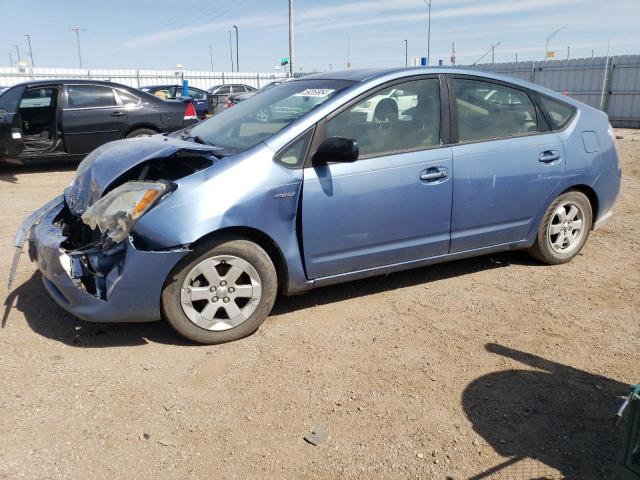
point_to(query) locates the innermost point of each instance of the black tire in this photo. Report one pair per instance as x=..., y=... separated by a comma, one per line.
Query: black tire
x=140, y=132
x=233, y=246
x=542, y=249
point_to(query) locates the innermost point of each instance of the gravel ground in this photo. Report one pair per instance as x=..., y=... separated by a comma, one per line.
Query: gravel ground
x=494, y=367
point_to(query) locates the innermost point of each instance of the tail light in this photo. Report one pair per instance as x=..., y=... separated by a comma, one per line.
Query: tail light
x=229, y=103
x=190, y=112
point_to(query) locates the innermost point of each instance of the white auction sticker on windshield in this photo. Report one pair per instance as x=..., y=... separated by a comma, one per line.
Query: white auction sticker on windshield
x=315, y=92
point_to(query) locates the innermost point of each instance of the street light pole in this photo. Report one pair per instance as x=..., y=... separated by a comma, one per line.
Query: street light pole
x=10, y=59
x=18, y=51
x=211, y=56
x=30, y=51
x=428, y=2
x=546, y=48
x=292, y=43
x=231, y=51
x=78, y=30
x=237, y=51
x=406, y=53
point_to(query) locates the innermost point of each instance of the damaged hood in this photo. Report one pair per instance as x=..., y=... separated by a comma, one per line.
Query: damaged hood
x=110, y=161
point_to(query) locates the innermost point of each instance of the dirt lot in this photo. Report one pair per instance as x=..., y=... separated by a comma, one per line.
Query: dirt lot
x=494, y=367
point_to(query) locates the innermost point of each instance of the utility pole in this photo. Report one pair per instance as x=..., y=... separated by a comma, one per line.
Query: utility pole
x=10, y=59
x=592, y=53
x=18, y=51
x=237, y=51
x=568, y=51
x=78, y=30
x=30, y=51
x=211, y=56
x=292, y=43
x=546, y=48
x=516, y=58
x=231, y=51
x=406, y=53
x=428, y=2
x=486, y=53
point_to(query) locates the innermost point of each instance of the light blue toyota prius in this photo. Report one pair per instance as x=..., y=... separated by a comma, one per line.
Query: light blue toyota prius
x=320, y=180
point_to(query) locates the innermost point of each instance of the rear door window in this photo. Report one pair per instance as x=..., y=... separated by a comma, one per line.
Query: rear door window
x=90, y=96
x=38, y=97
x=488, y=110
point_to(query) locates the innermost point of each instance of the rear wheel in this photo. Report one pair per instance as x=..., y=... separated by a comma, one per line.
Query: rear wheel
x=564, y=229
x=140, y=132
x=223, y=291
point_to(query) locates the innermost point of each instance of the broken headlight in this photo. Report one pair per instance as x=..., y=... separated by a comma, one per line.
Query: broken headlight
x=118, y=211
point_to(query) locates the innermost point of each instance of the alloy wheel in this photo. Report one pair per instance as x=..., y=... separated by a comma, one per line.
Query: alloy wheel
x=566, y=227
x=221, y=292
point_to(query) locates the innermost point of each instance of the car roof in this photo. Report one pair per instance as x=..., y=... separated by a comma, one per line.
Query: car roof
x=35, y=83
x=167, y=86
x=383, y=74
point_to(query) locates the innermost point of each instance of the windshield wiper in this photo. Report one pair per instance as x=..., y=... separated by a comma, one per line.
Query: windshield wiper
x=196, y=139
x=199, y=139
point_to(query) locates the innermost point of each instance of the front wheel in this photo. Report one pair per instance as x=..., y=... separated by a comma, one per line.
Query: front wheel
x=140, y=132
x=222, y=292
x=564, y=229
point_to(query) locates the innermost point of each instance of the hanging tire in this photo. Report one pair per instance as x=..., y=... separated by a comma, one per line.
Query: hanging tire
x=221, y=292
x=564, y=229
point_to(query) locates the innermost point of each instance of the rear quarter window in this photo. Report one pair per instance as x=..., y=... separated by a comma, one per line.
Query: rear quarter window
x=558, y=113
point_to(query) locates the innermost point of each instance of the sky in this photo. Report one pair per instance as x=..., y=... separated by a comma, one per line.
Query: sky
x=158, y=34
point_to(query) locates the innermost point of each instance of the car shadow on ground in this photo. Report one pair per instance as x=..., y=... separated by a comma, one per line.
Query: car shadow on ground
x=9, y=173
x=556, y=414
x=393, y=281
x=46, y=318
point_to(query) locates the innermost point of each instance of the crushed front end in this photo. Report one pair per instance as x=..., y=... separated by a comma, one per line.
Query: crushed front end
x=114, y=282
x=85, y=246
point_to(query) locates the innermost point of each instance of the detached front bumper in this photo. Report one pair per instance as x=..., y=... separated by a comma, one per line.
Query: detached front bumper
x=132, y=286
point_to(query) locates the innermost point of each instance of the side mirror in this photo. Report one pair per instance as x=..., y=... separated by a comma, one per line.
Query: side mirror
x=336, y=149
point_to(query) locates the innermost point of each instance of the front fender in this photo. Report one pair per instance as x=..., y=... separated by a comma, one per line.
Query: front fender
x=236, y=192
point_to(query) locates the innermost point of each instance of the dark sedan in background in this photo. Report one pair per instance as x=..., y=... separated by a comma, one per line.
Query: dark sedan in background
x=239, y=98
x=222, y=95
x=66, y=119
x=202, y=101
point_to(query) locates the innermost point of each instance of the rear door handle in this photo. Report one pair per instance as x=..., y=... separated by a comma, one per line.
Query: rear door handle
x=117, y=114
x=549, y=156
x=433, y=174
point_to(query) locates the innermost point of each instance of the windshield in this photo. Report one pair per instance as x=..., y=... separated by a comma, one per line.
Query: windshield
x=248, y=123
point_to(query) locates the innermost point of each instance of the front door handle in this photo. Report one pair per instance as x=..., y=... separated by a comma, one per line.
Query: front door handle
x=432, y=174
x=549, y=156
x=117, y=114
